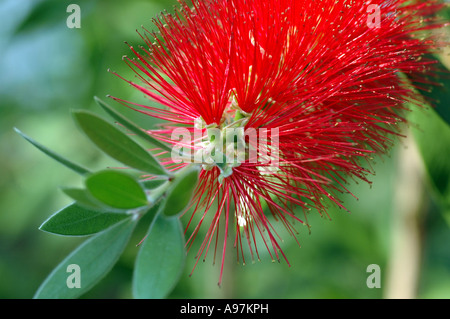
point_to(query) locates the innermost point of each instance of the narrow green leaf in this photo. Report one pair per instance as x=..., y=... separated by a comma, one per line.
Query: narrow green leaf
x=84, y=198
x=116, y=143
x=75, y=167
x=132, y=126
x=116, y=189
x=45, y=14
x=160, y=260
x=93, y=259
x=153, y=183
x=74, y=220
x=435, y=152
x=437, y=95
x=180, y=192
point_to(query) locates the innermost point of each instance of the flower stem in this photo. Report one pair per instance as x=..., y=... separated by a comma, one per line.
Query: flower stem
x=407, y=236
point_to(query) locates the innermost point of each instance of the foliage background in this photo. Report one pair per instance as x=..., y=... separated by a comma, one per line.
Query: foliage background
x=47, y=69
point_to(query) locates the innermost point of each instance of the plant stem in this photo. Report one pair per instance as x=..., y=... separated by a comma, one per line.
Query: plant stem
x=409, y=208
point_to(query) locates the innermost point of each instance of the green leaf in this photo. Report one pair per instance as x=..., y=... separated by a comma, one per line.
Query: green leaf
x=95, y=258
x=49, y=13
x=437, y=95
x=153, y=183
x=132, y=126
x=116, y=143
x=160, y=260
x=75, y=167
x=74, y=220
x=116, y=189
x=433, y=140
x=83, y=198
x=180, y=192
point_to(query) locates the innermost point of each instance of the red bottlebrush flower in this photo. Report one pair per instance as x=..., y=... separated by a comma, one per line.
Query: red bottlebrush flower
x=321, y=76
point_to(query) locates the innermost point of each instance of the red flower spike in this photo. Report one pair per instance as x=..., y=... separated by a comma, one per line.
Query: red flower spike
x=322, y=77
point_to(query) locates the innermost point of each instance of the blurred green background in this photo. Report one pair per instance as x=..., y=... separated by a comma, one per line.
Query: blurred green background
x=47, y=69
